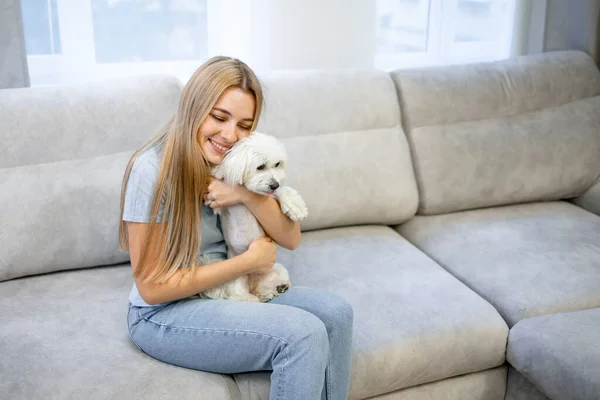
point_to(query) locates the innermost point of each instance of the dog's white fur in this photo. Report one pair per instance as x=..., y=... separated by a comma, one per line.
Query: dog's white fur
x=257, y=162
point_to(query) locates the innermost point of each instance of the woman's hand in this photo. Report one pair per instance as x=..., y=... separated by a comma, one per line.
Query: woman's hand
x=220, y=194
x=261, y=254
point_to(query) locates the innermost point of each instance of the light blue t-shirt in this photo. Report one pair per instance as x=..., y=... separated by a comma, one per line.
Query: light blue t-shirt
x=138, y=201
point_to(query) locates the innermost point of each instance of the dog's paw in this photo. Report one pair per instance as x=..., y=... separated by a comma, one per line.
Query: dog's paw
x=284, y=287
x=292, y=204
x=272, y=284
x=267, y=296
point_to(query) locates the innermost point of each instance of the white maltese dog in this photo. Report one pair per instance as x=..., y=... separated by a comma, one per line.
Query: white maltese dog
x=257, y=162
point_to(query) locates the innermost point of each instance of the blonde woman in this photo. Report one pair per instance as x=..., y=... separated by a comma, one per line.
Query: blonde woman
x=177, y=250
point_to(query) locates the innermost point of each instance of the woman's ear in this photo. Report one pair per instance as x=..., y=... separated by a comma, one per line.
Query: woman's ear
x=235, y=164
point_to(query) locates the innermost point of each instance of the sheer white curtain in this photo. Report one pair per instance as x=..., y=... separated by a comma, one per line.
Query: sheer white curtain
x=80, y=40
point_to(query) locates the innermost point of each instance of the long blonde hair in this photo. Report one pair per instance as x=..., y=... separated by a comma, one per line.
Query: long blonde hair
x=184, y=171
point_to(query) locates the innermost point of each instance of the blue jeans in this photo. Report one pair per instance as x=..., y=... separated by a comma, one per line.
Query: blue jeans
x=304, y=336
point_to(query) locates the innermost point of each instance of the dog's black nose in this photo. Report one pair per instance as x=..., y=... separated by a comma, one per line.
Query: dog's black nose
x=274, y=185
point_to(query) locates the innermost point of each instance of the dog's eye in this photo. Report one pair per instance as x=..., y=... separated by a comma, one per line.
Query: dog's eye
x=261, y=167
x=277, y=165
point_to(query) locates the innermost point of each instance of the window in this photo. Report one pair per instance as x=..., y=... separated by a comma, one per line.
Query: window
x=40, y=24
x=149, y=31
x=433, y=32
x=80, y=40
x=74, y=40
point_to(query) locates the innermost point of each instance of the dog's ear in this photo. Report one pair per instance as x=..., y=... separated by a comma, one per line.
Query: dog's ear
x=235, y=164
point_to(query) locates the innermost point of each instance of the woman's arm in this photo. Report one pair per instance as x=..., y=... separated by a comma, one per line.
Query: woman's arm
x=190, y=282
x=259, y=258
x=285, y=232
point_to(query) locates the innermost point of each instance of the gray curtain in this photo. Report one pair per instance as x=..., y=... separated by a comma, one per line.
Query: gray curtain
x=573, y=25
x=13, y=59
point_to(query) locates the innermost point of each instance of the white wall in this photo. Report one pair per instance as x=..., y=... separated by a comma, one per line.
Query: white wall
x=292, y=34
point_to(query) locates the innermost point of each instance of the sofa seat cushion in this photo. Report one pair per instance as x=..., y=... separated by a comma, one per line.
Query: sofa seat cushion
x=520, y=388
x=483, y=385
x=559, y=353
x=65, y=333
x=590, y=200
x=64, y=336
x=414, y=322
x=526, y=260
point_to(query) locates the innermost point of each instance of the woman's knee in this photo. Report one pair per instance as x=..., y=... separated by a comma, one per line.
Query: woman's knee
x=345, y=310
x=337, y=311
x=307, y=329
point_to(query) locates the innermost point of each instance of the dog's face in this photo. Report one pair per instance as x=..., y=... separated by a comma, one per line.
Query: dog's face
x=257, y=162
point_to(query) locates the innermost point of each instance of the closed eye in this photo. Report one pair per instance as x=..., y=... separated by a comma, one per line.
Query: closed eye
x=218, y=118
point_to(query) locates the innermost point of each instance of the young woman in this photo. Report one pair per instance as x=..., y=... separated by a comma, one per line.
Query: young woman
x=177, y=250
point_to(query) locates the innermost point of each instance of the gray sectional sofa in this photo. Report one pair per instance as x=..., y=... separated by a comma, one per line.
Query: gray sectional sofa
x=456, y=208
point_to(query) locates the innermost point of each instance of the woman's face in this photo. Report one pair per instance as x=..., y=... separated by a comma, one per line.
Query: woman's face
x=230, y=120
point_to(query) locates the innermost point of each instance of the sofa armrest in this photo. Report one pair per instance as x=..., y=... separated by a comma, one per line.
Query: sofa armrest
x=590, y=200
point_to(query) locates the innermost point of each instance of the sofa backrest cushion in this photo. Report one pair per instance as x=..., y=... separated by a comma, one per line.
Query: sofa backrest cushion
x=488, y=134
x=348, y=155
x=64, y=153
x=66, y=149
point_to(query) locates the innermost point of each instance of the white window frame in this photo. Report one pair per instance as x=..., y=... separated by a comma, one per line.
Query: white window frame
x=76, y=62
x=240, y=28
x=441, y=47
